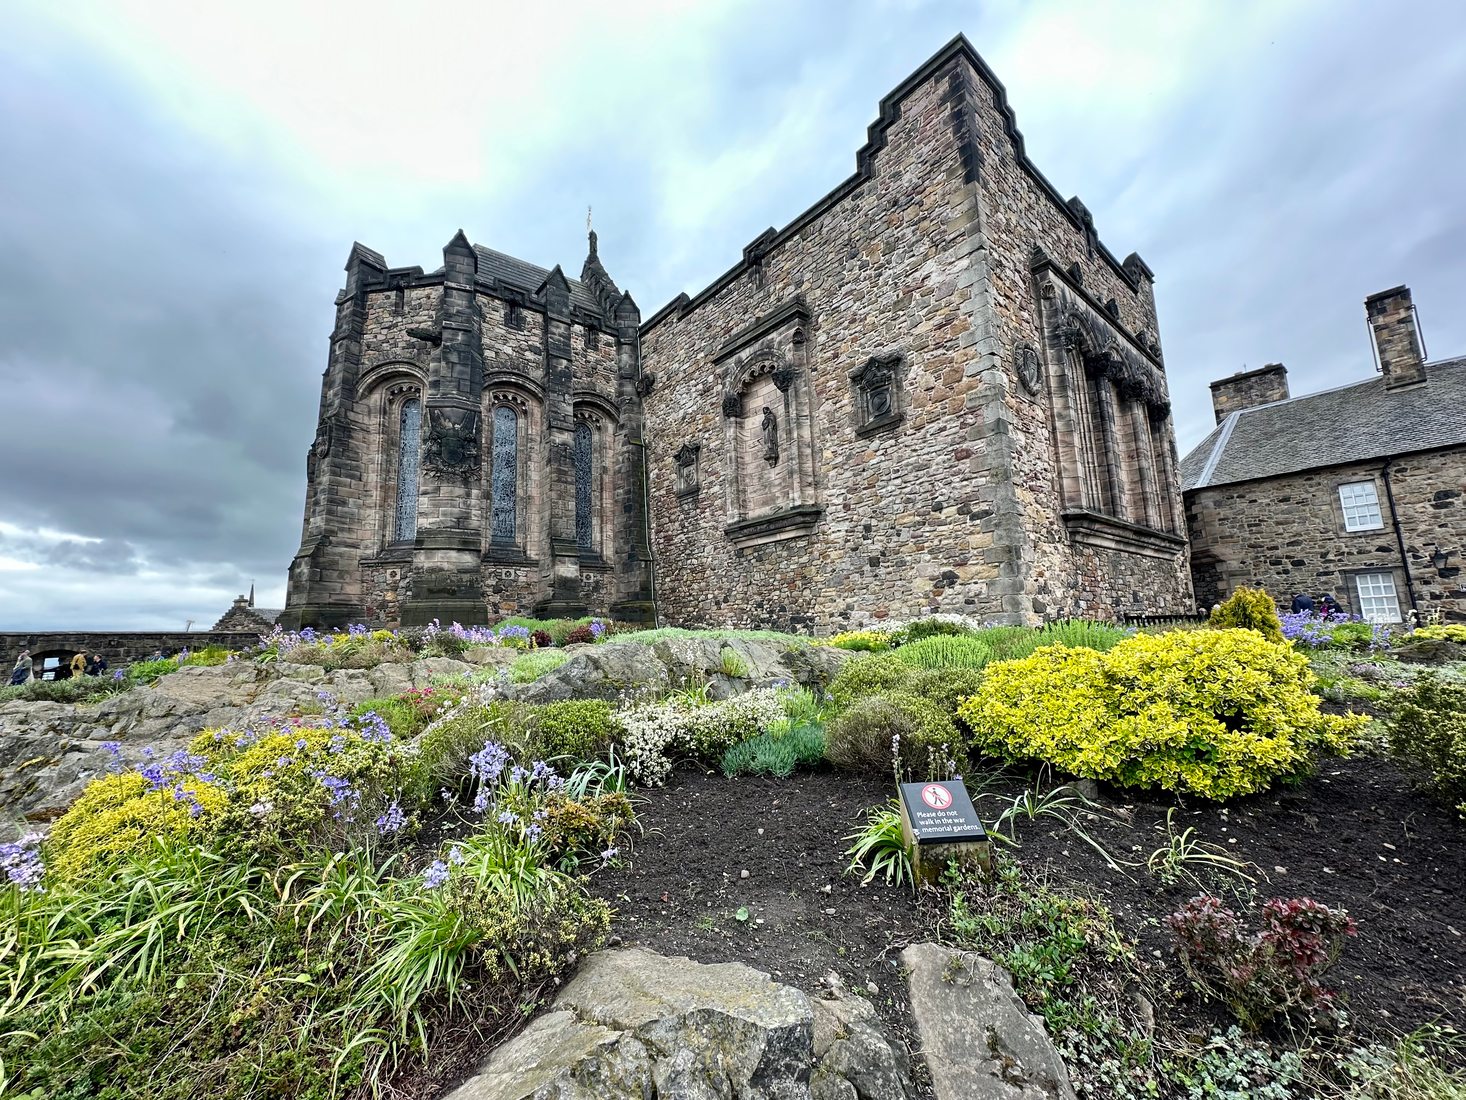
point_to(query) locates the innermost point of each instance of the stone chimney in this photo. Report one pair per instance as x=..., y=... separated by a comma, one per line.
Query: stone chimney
x=1396, y=338
x=1249, y=388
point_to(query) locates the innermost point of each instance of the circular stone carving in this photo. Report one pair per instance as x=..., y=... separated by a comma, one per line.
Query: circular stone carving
x=1028, y=368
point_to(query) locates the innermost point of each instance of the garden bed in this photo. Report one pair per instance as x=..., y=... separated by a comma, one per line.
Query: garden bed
x=1354, y=836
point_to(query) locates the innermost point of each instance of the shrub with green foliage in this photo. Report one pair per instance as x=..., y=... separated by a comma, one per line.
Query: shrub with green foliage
x=1427, y=726
x=867, y=675
x=895, y=729
x=945, y=651
x=1443, y=632
x=1216, y=713
x=1252, y=609
x=577, y=728
x=946, y=687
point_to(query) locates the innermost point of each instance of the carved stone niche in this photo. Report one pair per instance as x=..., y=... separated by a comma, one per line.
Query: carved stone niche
x=877, y=392
x=688, y=481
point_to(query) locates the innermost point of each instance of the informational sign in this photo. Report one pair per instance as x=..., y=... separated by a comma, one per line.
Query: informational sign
x=941, y=813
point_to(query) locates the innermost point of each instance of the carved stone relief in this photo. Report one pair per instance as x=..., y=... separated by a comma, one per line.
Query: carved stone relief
x=1028, y=368
x=452, y=449
x=687, y=472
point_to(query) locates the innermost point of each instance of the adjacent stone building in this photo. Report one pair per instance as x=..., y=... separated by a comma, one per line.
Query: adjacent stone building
x=934, y=390
x=1355, y=491
x=479, y=448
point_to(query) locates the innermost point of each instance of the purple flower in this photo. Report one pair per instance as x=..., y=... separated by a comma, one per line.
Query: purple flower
x=597, y=628
x=338, y=790
x=118, y=675
x=610, y=854
x=392, y=820
x=436, y=874
x=374, y=727
x=456, y=855
x=533, y=832
x=508, y=817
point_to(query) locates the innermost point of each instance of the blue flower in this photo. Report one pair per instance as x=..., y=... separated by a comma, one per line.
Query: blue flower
x=610, y=854
x=508, y=817
x=436, y=874
x=20, y=861
x=392, y=820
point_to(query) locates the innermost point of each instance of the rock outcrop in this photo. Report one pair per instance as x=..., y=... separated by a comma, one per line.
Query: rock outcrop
x=634, y=1024
x=978, y=1038
x=50, y=751
x=616, y=669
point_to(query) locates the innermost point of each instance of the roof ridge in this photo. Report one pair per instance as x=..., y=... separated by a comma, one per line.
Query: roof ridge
x=1218, y=448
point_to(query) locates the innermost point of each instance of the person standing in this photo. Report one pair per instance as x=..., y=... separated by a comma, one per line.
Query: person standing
x=78, y=666
x=1302, y=602
x=22, y=670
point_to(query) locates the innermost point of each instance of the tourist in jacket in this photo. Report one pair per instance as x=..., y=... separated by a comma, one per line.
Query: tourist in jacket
x=22, y=670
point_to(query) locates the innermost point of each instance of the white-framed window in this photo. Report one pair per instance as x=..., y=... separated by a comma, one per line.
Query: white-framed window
x=1361, y=506
x=1377, y=600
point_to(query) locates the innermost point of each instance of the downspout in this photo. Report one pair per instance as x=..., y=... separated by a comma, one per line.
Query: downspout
x=1399, y=536
x=646, y=499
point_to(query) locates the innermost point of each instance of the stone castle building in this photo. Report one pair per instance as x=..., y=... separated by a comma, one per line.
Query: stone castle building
x=934, y=390
x=1355, y=491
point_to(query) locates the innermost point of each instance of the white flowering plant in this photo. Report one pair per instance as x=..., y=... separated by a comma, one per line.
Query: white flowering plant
x=655, y=735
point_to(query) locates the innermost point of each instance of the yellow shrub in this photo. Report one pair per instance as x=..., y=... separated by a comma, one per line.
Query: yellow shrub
x=1446, y=632
x=862, y=641
x=1216, y=713
x=1251, y=608
x=120, y=815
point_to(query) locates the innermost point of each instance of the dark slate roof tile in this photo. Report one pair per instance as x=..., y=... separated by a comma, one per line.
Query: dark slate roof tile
x=1354, y=423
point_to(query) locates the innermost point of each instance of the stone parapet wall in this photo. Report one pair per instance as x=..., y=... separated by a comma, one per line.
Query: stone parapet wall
x=1286, y=534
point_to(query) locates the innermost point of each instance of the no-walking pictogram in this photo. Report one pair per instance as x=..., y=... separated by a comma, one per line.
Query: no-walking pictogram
x=936, y=796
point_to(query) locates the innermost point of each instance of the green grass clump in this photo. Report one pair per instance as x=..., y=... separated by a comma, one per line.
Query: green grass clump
x=669, y=633
x=531, y=665
x=776, y=754
x=946, y=651
x=1081, y=634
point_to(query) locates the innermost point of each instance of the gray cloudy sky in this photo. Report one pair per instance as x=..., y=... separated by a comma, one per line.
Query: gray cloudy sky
x=180, y=184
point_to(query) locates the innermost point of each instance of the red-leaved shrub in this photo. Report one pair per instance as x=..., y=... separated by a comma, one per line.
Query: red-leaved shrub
x=580, y=635
x=1261, y=974
x=541, y=639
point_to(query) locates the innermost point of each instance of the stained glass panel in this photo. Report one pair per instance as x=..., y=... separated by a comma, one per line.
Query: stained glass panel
x=504, y=502
x=583, y=526
x=409, y=452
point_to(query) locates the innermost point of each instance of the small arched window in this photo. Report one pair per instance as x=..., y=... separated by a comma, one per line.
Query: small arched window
x=504, y=490
x=409, y=452
x=584, y=495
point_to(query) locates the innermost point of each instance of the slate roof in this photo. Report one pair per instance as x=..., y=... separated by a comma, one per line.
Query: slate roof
x=1353, y=423
x=529, y=277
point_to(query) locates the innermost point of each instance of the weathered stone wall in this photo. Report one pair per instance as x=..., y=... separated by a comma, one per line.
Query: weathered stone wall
x=943, y=493
x=119, y=647
x=1286, y=534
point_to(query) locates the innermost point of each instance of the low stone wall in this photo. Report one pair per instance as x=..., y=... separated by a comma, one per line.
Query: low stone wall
x=119, y=647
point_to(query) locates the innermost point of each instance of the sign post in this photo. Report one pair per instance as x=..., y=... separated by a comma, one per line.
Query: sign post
x=940, y=824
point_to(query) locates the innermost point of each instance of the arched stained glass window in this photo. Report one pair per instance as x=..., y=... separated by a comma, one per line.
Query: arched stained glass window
x=409, y=451
x=504, y=490
x=584, y=529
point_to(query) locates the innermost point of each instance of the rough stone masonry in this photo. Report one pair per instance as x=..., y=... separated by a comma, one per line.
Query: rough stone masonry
x=934, y=390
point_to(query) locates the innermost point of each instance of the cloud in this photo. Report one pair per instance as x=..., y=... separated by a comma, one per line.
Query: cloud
x=183, y=183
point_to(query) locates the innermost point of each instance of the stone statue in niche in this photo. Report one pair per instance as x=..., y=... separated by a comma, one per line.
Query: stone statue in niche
x=769, y=429
x=453, y=443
